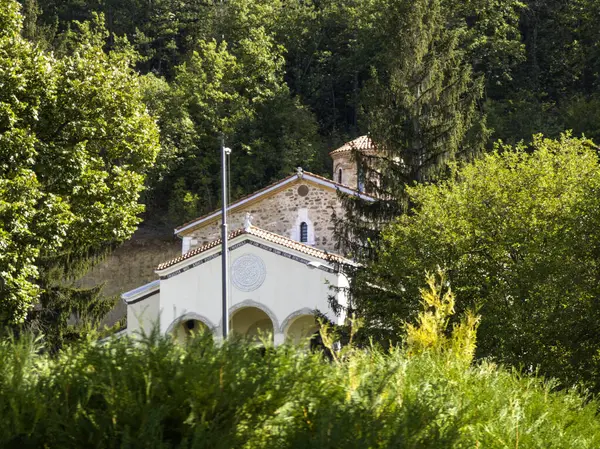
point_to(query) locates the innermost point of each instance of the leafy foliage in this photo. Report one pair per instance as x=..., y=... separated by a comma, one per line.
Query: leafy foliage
x=75, y=141
x=539, y=55
x=485, y=69
x=153, y=393
x=243, y=97
x=560, y=69
x=430, y=332
x=516, y=232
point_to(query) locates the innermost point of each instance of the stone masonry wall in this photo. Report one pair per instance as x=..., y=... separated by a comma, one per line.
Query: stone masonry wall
x=282, y=214
x=348, y=166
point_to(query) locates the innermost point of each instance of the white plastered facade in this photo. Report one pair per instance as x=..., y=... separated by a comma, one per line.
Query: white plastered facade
x=289, y=286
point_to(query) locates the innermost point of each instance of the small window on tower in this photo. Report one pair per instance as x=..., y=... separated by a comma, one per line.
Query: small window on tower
x=303, y=232
x=340, y=176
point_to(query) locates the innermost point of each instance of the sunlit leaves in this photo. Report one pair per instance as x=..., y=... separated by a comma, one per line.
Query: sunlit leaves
x=150, y=392
x=517, y=232
x=75, y=141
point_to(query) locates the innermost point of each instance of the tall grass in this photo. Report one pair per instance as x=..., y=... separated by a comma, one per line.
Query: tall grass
x=155, y=394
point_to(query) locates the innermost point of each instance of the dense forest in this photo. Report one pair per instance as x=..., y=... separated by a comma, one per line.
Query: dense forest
x=111, y=114
x=287, y=81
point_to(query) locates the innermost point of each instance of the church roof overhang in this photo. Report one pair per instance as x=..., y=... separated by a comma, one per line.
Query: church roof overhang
x=254, y=236
x=140, y=293
x=270, y=190
x=363, y=144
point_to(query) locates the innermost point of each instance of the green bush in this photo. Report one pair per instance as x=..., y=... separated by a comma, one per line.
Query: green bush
x=517, y=232
x=152, y=393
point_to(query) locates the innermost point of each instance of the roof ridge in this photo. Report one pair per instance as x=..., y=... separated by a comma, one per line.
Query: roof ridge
x=298, y=175
x=260, y=233
x=236, y=201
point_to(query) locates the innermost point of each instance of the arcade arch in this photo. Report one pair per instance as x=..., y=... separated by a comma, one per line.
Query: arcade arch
x=251, y=322
x=187, y=325
x=300, y=326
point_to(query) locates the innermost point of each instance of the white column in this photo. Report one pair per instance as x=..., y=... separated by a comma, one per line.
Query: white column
x=278, y=338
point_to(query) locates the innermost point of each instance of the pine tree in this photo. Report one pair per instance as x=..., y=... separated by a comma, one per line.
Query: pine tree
x=420, y=107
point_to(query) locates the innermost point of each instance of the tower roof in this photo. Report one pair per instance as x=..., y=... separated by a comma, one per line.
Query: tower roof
x=362, y=143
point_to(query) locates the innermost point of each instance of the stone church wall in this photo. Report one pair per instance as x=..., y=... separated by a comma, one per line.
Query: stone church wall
x=282, y=214
x=344, y=162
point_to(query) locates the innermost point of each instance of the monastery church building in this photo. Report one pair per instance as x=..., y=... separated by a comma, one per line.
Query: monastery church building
x=283, y=266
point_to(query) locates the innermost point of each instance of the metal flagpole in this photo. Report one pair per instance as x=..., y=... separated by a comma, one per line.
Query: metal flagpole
x=224, y=253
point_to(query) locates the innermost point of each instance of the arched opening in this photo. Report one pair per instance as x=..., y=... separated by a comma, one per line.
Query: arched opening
x=251, y=322
x=303, y=232
x=301, y=330
x=185, y=329
x=339, y=180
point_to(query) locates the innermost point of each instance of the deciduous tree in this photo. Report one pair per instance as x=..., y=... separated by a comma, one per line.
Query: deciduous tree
x=517, y=232
x=238, y=91
x=75, y=142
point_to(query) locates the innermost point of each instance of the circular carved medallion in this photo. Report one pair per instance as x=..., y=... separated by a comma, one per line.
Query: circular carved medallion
x=248, y=272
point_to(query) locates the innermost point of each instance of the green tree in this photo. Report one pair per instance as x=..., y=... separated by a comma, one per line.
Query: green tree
x=75, y=141
x=421, y=103
x=164, y=32
x=517, y=233
x=555, y=87
x=238, y=91
x=330, y=47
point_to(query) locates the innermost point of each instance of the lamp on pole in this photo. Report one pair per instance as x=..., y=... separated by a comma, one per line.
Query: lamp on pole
x=224, y=235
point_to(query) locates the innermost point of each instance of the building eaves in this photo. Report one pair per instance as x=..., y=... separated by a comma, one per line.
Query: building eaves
x=144, y=290
x=273, y=188
x=265, y=235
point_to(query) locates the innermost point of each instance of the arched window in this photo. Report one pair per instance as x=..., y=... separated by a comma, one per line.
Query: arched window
x=303, y=232
x=340, y=176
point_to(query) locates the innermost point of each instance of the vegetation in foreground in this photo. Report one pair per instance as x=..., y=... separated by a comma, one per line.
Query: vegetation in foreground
x=516, y=232
x=153, y=393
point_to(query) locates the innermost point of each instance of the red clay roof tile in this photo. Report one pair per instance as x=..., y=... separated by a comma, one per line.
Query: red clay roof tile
x=362, y=143
x=265, y=235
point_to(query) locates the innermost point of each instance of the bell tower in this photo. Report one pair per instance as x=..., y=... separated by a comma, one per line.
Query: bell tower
x=345, y=170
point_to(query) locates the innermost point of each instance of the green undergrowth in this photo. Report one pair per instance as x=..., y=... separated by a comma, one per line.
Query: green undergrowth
x=150, y=392
x=156, y=394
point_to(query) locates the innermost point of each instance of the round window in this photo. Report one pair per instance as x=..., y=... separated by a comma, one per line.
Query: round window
x=303, y=190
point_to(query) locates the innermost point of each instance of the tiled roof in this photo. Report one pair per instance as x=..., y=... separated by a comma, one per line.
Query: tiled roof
x=362, y=143
x=265, y=235
x=274, y=187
